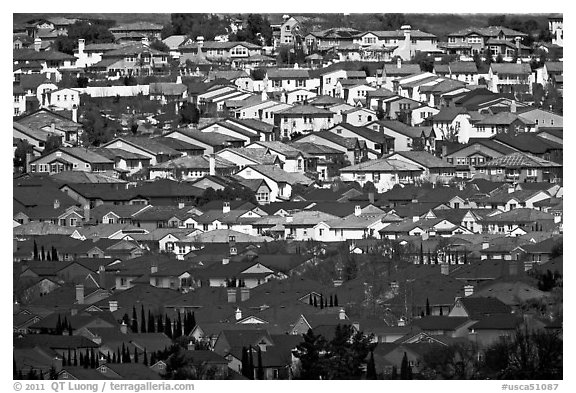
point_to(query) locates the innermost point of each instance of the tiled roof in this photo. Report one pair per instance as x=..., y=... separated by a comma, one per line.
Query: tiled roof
x=424, y=158
x=520, y=215
x=405, y=69
x=287, y=73
x=401, y=128
x=497, y=322
x=511, y=68
x=194, y=162
x=169, y=89
x=305, y=110
x=449, y=113
x=528, y=142
x=69, y=177
x=277, y=174
x=490, y=31
x=82, y=154
x=134, y=49
x=519, y=160
x=137, y=26
x=481, y=307
x=150, y=145
x=210, y=138
x=440, y=322
x=382, y=165
x=364, y=132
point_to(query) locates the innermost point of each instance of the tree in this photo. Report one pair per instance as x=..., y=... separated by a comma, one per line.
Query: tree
x=159, y=46
x=194, y=25
x=54, y=254
x=98, y=129
x=335, y=300
x=142, y=320
x=151, y=323
x=22, y=148
x=260, y=369
x=135, y=355
x=487, y=56
x=312, y=365
x=404, y=367
x=425, y=61
x=92, y=31
x=250, y=363
x=245, y=364
x=189, y=114
x=455, y=361
x=371, y=367
x=427, y=307
x=134, y=320
x=145, y=360
x=392, y=21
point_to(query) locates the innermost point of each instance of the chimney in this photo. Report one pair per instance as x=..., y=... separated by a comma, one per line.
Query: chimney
x=289, y=219
x=102, y=277
x=511, y=188
x=80, y=293
x=244, y=294
x=73, y=311
x=179, y=79
x=238, y=314
x=81, y=42
x=212, y=164
x=518, y=40
x=371, y=197
x=56, y=204
x=357, y=210
x=415, y=218
x=37, y=44
x=337, y=283
x=145, y=41
x=231, y=292
x=341, y=314
x=232, y=245
x=153, y=268
x=75, y=113
x=226, y=207
x=181, y=205
x=445, y=269
x=399, y=63
x=113, y=305
x=468, y=290
x=513, y=268
x=225, y=261
x=53, y=128
x=401, y=322
x=485, y=245
x=513, y=107
x=124, y=328
x=444, y=150
x=200, y=41
x=86, y=213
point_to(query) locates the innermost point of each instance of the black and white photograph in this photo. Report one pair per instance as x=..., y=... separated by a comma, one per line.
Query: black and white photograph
x=286, y=195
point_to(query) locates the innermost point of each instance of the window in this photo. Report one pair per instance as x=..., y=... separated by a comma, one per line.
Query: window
x=531, y=172
x=328, y=80
x=63, y=222
x=287, y=28
x=300, y=83
x=276, y=83
x=123, y=282
x=16, y=111
x=321, y=232
x=169, y=246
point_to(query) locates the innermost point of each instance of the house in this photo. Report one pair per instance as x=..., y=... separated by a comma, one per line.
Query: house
x=71, y=158
x=493, y=329
x=232, y=52
x=393, y=72
x=291, y=158
x=243, y=156
x=279, y=181
x=290, y=29
x=357, y=116
x=330, y=78
x=466, y=157
x=46, y=120
x=353, y=91
x=435, y=170
x=503, y=122
x=192, y=168
x=231, y=128
x=352, y=147
x=478, y=38
x=125, y=161
x=405, y=137
x=145, y=29
x=174, y=42
x=465, y=71
x=64, y=98
x=302, y=119
x=510, y=78
x=134, y=59
x=288, y=79
x=34, y=137
x=552, y=72
x=167, y=92
x=262, y=110
x=383, y=173
x=404, y=42
x=508, y=222
x=88, y=55
x=377, y=143
x=211, y=142
x=521, y=167
x=532, y=144
x=540, y=117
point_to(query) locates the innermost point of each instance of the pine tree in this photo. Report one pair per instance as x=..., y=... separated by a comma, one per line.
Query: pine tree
x=48, y=256
x=119, y=357
x=36, y=255
x=142, y=320
x=260, y=369
x=135, y=355
x=69, y=357
x=134, y=320
x=335, y=300
x=371, y=367
x=151, y=324
x=58, y=325
x=75, y=359
x=427, y=307
x=145, y=360
x=192, y=321
x=124, y=353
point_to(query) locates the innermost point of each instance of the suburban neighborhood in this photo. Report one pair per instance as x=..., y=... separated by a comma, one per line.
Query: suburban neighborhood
x=287, y=196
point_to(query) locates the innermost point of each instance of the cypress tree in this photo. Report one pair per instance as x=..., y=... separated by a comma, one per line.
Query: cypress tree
x=48, y=256
x=119, y=358
x=427, y=307
x=36, y=255
x=108, y=358
x=152, y=359
x=245, y=363
x=142, y=320
x=429, y=258
x=151, y=324
x=69, y=357
x=310, y=300
x=93, y=360
x=331, y=301
x=58, y=325
x=441, y=311
x=124, y=353
x=465, y=257
x=41, y=376
x=134, y=320
x=421, y=254
x=260, y=369
x=160, y=327
x=145, y=360
x=178, y=327
x=371, y=367
x=114, y=357
x=81, y=360
x=69, y=328
x=42, y=256
x=64, y=362
x=335, y=300
x=75, y=358
x=86, y=359
x=192, y=321
x=126, y=319
x=135, y=355
x=54, y=254
x=321, y=302
x=404, y=367
x=251, y=363
x=326, y=303
x=315, y=302
x=168, y=327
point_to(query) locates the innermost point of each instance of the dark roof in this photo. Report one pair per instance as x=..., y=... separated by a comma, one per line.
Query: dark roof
x=440, y=322
x=497, y=322
x=480, y=307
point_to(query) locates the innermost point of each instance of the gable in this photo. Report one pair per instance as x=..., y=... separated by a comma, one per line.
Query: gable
x=257, y=268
